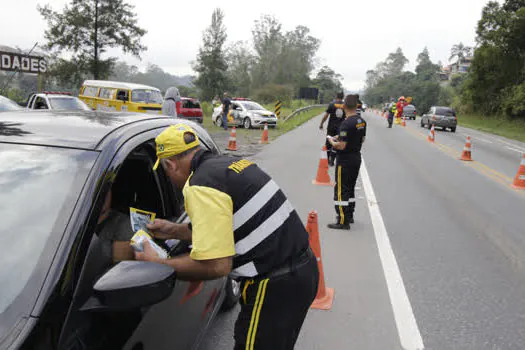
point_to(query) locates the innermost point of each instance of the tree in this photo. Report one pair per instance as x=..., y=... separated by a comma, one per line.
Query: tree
x=395, y=62
x=328, y=82
x=267, y=43
x=87, y=28
x=211, y=65
x=460, y=52
x=240, y=63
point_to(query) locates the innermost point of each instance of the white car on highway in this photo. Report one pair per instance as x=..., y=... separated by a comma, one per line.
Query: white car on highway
x=249, y=114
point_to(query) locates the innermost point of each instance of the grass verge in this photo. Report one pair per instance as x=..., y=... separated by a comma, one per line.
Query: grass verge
x=512, y=129
x=298, y=120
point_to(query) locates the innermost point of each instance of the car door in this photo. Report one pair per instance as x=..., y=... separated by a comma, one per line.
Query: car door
x=174, y=323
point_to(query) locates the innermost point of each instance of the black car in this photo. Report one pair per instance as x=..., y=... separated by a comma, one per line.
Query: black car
x=60, y=287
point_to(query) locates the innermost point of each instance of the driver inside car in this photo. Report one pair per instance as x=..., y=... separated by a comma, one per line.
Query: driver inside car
x=115, y=227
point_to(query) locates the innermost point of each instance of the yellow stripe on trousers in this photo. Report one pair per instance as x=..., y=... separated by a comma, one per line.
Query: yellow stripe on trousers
x=340, y=196
x=254, y=322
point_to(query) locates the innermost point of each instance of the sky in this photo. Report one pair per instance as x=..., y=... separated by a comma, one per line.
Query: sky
x=355, y=35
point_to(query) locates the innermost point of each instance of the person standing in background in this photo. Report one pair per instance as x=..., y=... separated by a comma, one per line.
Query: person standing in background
x=226, y=106
x=169, y=106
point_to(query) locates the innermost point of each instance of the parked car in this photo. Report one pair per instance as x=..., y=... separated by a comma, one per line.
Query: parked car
x=190, y=109
x=61, y=288
x=8, y=105
x=249, y=114
x=443, y=117
x=364, y=107
x=410, y=112
x=56, y=101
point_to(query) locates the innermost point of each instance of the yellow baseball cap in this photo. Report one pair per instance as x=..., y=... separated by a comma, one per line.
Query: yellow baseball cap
x=171, y=142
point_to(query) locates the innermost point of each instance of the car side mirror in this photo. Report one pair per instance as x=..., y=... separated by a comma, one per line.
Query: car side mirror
x=131, y=285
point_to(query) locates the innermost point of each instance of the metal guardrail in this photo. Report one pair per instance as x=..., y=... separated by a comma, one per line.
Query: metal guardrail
x=301, y=110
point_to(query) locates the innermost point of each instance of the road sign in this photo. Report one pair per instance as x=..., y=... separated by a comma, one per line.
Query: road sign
x=278, y=108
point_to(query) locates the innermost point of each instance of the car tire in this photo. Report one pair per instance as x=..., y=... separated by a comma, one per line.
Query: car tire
x=247, y=123
x=429, y=125
x=453, y=129
x=232, y=294
x=422, y=124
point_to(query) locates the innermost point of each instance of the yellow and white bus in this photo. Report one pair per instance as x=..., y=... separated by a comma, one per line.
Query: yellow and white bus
x=118, y=96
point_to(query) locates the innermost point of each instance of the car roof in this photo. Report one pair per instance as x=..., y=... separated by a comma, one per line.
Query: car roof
x=190, y=98
x=118, y=85
x=77, y=129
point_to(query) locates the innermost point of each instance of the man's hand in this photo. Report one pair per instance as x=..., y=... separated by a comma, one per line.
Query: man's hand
x=163, y=229
x=149, y=254
x=321, y=127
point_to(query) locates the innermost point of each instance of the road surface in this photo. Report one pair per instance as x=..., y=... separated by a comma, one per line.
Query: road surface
x=436, y=259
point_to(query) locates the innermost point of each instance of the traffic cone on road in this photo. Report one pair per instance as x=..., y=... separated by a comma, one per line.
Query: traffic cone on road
x=264, y=138
x=232, y=144
x=325, y=296
x=432, y=135
x=519, y=180
x=322, y=178
x=404, y=122
x=467, y=154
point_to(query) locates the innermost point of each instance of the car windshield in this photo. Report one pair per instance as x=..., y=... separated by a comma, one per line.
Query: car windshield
x=8, y=105
x=252, y=106
x=68, y=103
x=38, y=190
x=447, y=112
x=146, y=96
x=191, y=104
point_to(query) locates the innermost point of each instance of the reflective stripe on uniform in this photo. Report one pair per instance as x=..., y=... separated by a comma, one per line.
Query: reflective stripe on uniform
x=248, y=210
x=340, y=195
x=254, y=322
x=246, y=270
x=265, y=229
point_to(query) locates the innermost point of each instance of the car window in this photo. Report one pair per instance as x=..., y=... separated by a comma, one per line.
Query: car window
x=106, y=93
x=34, y=208
x=8, y=105
x=40, y=103
x=252, y=106
x=191, y=104
x=447, y=112
x=68, y=103
x=90, y=91
x=146, y=96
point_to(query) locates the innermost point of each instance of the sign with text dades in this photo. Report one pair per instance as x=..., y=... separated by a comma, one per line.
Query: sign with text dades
x=19, y=62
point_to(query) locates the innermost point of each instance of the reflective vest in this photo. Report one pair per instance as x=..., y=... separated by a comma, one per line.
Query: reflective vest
x=394, y=108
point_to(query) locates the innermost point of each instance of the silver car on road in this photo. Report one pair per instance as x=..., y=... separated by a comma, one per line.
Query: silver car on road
x=443, y=117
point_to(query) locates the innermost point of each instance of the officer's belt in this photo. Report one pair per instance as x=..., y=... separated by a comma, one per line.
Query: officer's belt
x=291, y=265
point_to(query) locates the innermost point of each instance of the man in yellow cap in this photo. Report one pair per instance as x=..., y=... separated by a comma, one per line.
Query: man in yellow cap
x=242, y=225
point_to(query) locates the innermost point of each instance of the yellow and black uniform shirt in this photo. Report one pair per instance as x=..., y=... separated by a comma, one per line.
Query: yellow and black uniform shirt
x=352, y=131
x=237, y=210
x=337, y=115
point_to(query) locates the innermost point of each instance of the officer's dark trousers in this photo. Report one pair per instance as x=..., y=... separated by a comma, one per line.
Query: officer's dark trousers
x=390, y=119
x=273, y=309
x=346, y=173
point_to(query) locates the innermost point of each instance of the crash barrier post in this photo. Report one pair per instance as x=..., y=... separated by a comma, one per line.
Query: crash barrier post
x=467, y=152
x=519, y=180
x=325, y=296
x=323, y=178
x=278, y=108
x=232, y=143
x=301, y=110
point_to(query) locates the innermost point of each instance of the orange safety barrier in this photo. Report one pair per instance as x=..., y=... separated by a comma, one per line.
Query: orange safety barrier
x=264, y=138
x=519, y=180
x=467, y=152
x=232, y=143
x=322, y=178
x=432, y=134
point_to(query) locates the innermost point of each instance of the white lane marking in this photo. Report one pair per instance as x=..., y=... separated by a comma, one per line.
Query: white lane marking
x=476, y=138
x=515, y=149
x=407, y=328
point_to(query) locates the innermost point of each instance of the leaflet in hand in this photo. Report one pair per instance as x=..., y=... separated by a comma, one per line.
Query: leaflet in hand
x=140, y=218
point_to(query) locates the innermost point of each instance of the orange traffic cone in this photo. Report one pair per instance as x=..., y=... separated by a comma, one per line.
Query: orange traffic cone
x=432, y=135
x=232, y=144
x=467, y=154
x=519, y=180
x=264, y=138
x=322, y=178
x=404, y=122
x=325, y=296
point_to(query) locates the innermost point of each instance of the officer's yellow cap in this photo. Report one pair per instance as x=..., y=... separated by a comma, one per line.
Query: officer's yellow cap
x=171, y=142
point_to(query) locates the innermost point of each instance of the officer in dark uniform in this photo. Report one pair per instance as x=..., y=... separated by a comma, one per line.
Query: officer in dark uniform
x=242, y=225
x=348, y=144
x=335, y=112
